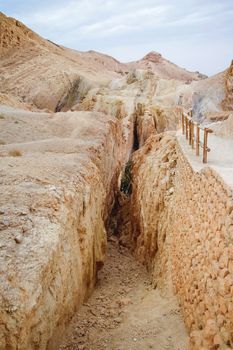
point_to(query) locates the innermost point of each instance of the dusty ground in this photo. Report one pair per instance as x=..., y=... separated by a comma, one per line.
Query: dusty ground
x=125, y=312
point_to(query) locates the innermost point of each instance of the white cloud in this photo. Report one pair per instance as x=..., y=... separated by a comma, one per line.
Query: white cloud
x=137, y=20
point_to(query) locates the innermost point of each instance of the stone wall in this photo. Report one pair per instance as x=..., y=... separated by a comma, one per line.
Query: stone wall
x=182, y=226
x=202, y=256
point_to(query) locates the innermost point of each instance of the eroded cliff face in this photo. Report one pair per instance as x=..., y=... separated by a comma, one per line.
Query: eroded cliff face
x=227, y=103
x=14, y=35
x=179, y=225
x=63, y=76
x=54, y=206
x=153, y=168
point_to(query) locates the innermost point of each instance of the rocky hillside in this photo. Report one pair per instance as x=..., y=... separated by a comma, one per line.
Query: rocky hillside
x=46, y=75
x=228, y=101
x=38, y=74
x=15, y=35
x=165, y=69
x=64, y=76
x=70, y=123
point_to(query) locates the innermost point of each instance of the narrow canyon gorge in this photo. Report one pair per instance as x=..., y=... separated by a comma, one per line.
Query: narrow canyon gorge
x=114, y=235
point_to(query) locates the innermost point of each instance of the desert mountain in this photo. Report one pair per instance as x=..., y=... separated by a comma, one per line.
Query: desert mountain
x=165, y=69
x=42, y=74
x=15, y=35
x=92, y=153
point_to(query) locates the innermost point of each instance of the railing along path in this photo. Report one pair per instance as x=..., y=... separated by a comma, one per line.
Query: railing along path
x=191, y=130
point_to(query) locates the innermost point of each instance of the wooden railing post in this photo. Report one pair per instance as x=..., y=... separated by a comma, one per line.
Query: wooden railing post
x=205, y=147
x=186, y=127
x=197, y=140
x=182, y=116
x=190, y=132
x=192, y=129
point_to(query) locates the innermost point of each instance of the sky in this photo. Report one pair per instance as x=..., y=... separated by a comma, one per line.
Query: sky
x=195, y=34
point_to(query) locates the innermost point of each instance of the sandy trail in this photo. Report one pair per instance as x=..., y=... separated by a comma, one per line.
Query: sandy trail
x=125, y=312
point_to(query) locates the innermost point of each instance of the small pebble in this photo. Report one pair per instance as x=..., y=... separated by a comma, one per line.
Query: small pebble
x=18, y=239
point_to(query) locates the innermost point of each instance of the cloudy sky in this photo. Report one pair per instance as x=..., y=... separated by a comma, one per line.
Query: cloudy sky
x=194, y=34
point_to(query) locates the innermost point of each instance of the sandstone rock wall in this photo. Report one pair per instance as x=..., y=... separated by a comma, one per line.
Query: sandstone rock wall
x=153, y=169
x=181, y=226
x=152, y=120
x=14, y=34
x=53, y=209
x=227, y=103
x=166, y=118
x=225, y=129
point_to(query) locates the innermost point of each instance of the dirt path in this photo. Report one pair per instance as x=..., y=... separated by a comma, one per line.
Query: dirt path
x=125, y=312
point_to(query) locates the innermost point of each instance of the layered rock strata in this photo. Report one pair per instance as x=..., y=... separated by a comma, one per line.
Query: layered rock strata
x=54, y=205
x=227, y=103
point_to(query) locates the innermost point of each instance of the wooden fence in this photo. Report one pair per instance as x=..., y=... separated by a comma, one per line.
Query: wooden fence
x=192, y=132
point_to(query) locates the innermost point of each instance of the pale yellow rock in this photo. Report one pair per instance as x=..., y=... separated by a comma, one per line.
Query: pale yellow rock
x=200, y=262
x=56, y=196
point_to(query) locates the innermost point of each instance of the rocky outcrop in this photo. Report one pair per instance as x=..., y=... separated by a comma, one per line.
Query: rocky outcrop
x=227, y=103
x=153, y=57
x=144, y=124
x=63, y=76
x=152, y=120
x=180, y=225
x=15, y=35
x=53, y=211
x=166, y=119
x=225, y=129
x=153, y=169
x=155, y=63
